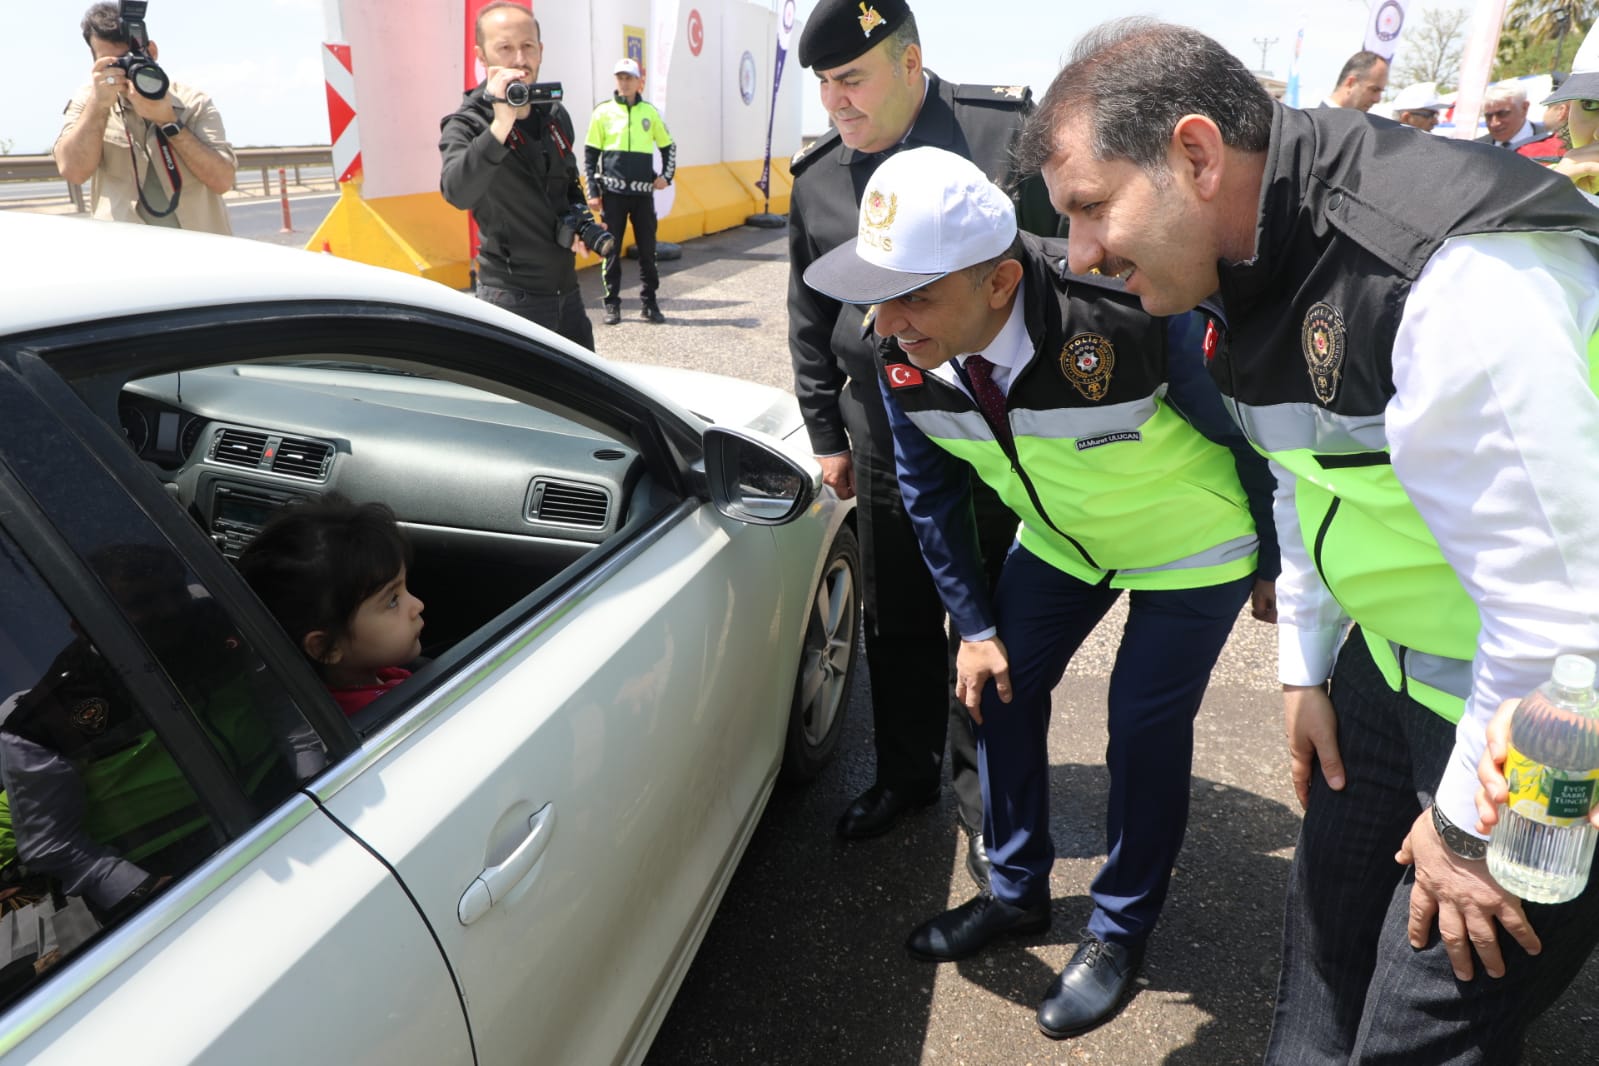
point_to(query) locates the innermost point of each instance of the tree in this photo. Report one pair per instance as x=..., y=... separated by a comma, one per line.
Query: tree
x=6, y=144
x=1431, y=49
x=1540, y=35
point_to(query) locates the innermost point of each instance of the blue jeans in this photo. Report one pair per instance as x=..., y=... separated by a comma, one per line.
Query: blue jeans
x=561, y=312
x=1352, y=989
x=1170, y=644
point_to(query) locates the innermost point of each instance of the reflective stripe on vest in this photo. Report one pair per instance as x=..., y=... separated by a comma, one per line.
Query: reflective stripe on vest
x=1131, y=489
x=1372, y=548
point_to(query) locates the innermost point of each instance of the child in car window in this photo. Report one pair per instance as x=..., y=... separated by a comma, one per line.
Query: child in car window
x=333, y=573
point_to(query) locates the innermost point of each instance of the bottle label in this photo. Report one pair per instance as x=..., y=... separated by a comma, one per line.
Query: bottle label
x=1552, y=797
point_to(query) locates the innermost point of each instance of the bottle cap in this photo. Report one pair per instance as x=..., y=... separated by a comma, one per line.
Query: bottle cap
x=1573, y=671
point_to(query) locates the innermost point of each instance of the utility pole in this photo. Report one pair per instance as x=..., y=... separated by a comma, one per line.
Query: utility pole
x=1265, y=43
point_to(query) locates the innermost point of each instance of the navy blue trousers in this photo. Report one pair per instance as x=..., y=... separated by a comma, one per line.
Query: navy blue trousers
x=1169, y=645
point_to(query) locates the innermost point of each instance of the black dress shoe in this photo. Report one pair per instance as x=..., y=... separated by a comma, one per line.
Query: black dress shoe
x=977, y=864
x=974, y=925
x=613, y=314
x=651, y=312
x=875, y=811
x=1089, y=989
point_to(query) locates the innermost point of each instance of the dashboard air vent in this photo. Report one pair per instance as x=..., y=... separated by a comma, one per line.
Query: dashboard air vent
x=239, y=447
x=565, y=504
x=306, y=459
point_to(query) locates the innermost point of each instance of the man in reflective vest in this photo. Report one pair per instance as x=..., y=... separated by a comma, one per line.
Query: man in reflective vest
x=1057, y=392
x=1439, y=489
x=619, y=167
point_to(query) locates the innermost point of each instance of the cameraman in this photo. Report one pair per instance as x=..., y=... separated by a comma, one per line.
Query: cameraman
x=515, y=169
x=163, y=162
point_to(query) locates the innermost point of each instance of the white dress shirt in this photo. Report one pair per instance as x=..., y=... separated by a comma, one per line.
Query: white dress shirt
x=1494, y=433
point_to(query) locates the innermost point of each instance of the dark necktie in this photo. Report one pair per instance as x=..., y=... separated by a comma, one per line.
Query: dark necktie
x=990, y=400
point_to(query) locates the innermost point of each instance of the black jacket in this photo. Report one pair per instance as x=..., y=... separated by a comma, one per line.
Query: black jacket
x=980, y=122
x=1349, y=216
x=517, y=192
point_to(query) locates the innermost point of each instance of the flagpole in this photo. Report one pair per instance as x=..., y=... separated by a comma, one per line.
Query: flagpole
x=786, y=13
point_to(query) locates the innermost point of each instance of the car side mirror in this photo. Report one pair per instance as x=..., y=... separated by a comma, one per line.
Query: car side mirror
x=753, y=481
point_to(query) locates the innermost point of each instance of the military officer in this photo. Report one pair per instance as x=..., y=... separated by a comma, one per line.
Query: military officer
x=868, y=62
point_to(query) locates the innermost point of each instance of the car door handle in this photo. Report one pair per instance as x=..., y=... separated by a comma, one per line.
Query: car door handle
x=494, y=883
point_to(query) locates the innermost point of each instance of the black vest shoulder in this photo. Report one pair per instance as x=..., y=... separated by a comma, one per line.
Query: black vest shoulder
x=1352, y=208
x=1093, y=344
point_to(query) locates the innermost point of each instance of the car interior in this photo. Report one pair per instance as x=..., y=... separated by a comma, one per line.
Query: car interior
x=496, y=496
x=507, y=499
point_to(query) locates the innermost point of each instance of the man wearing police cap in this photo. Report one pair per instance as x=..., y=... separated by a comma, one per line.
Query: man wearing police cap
x=868, y=61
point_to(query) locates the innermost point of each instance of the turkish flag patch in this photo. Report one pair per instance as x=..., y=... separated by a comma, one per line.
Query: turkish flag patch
x=903, y=376
x=1212, y=339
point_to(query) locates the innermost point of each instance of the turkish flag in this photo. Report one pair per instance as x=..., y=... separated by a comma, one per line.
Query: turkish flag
x=903, y=376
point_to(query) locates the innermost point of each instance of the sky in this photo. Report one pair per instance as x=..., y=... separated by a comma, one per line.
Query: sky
x=262, y=63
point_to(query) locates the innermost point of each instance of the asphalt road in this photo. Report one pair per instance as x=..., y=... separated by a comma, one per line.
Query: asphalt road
x=805, y=964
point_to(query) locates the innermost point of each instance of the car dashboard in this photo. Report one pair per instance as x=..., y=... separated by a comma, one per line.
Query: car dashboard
x=495, y=495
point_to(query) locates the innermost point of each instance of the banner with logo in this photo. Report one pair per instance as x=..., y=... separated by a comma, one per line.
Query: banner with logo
x=1384, y=23
x=785, y=28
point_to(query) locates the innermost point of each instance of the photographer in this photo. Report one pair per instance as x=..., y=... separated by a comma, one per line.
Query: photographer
x=516, y=170
x=160, y=159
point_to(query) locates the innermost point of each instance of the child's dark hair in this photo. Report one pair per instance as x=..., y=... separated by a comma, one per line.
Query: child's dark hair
x=315, y=563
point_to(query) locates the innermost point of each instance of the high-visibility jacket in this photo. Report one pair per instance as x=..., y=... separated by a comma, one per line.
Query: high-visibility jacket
x=618, y=152
x=1109, y=481
x=1308, y=367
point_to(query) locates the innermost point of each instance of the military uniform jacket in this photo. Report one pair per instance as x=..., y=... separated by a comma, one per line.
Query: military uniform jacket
x=517, y=191
x=1108, y=465
x=979, y=122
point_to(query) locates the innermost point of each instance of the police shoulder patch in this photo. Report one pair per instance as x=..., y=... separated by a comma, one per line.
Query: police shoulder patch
x=1321, y=338
x=1087, y=362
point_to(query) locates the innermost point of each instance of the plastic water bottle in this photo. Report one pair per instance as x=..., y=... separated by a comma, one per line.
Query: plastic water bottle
x=1542, y=846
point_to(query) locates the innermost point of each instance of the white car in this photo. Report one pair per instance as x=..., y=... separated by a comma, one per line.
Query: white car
x=641, y=606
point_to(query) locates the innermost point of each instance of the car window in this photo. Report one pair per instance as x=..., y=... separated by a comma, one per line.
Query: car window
x=497, y=493
x=96, y=816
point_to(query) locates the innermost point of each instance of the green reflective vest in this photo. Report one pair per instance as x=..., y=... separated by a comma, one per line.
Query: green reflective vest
x=1108, y=480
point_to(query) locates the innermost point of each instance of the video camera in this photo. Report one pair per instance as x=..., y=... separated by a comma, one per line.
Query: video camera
x=521, y=93
x=149, y=80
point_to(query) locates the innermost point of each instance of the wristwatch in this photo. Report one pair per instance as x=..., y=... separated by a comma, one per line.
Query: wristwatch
x=170, y=130
x=1457, y=839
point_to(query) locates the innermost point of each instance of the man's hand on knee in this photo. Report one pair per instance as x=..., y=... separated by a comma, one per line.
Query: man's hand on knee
x=975, y=663
x=1466, y=902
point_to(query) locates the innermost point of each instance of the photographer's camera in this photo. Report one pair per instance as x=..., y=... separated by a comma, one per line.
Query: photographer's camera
x=580, y=225
x=147, y=79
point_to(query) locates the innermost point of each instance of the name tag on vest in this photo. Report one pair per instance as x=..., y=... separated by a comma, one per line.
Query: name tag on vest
x=1109, y=438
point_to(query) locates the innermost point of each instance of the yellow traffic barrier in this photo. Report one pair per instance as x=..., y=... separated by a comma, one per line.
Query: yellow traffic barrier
x=417, y=234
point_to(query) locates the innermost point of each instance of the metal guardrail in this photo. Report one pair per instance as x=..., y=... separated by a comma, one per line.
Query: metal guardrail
x=29, y=168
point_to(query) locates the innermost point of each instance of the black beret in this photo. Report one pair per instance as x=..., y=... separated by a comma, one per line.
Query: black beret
x=842, y=30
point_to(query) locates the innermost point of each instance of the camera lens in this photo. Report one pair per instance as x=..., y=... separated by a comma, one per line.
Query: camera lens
x=149, y=81
x=517, y=94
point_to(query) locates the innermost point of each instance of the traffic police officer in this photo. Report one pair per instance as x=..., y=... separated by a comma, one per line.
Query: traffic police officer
x=1441, y=491
x=1057, y=391
x=880, y=99
x=619, y=167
